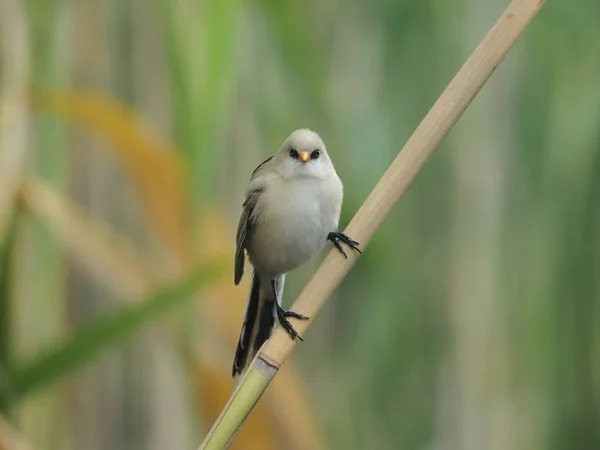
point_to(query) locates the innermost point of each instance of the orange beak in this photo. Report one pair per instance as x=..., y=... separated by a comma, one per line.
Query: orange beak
x=304, y=157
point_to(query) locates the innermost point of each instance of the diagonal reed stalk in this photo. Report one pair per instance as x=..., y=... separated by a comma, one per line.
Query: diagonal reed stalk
x=430, y=132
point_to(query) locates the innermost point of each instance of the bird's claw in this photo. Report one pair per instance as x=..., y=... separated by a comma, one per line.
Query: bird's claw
x=283, y=314
x=335, y=237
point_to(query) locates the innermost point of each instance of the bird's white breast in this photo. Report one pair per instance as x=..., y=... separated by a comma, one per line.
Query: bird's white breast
x=293, y=219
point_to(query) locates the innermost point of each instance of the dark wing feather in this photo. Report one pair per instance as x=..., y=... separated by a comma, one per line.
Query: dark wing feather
x=244, y=230
x=247, y=222
x=261, y=166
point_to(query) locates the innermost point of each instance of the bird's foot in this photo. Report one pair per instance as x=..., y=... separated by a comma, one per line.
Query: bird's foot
x=283, y=314
x=336, y=237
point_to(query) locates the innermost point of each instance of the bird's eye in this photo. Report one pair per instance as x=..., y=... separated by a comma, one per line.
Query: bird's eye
x=315, y=154
x=293, y=153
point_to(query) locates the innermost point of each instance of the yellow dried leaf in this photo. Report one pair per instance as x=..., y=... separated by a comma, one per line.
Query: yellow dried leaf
x=153, y=163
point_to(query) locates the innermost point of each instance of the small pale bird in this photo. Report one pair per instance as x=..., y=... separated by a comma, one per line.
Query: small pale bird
x=292, y=209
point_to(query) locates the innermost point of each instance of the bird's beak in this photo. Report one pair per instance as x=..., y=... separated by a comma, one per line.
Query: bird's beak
x=304, y=157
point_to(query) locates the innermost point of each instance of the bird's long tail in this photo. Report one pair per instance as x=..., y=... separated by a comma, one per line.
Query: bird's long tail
x=259, y=321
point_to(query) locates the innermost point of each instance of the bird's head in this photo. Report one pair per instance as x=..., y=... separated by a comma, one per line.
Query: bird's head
x=303, y=154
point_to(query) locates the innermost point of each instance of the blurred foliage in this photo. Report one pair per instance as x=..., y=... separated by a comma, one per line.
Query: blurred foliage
x=470, y=322
x=94, y=337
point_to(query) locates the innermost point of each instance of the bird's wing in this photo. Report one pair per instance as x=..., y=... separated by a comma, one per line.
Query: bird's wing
x=247, y=219
x=261, y=168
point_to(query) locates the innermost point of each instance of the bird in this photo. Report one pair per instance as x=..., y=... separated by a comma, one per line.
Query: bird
x=291, y=209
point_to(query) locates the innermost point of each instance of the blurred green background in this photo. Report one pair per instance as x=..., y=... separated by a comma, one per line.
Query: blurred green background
x=128, y=132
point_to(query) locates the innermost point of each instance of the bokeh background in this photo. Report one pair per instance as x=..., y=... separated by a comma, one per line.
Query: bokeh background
x=128, y=131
